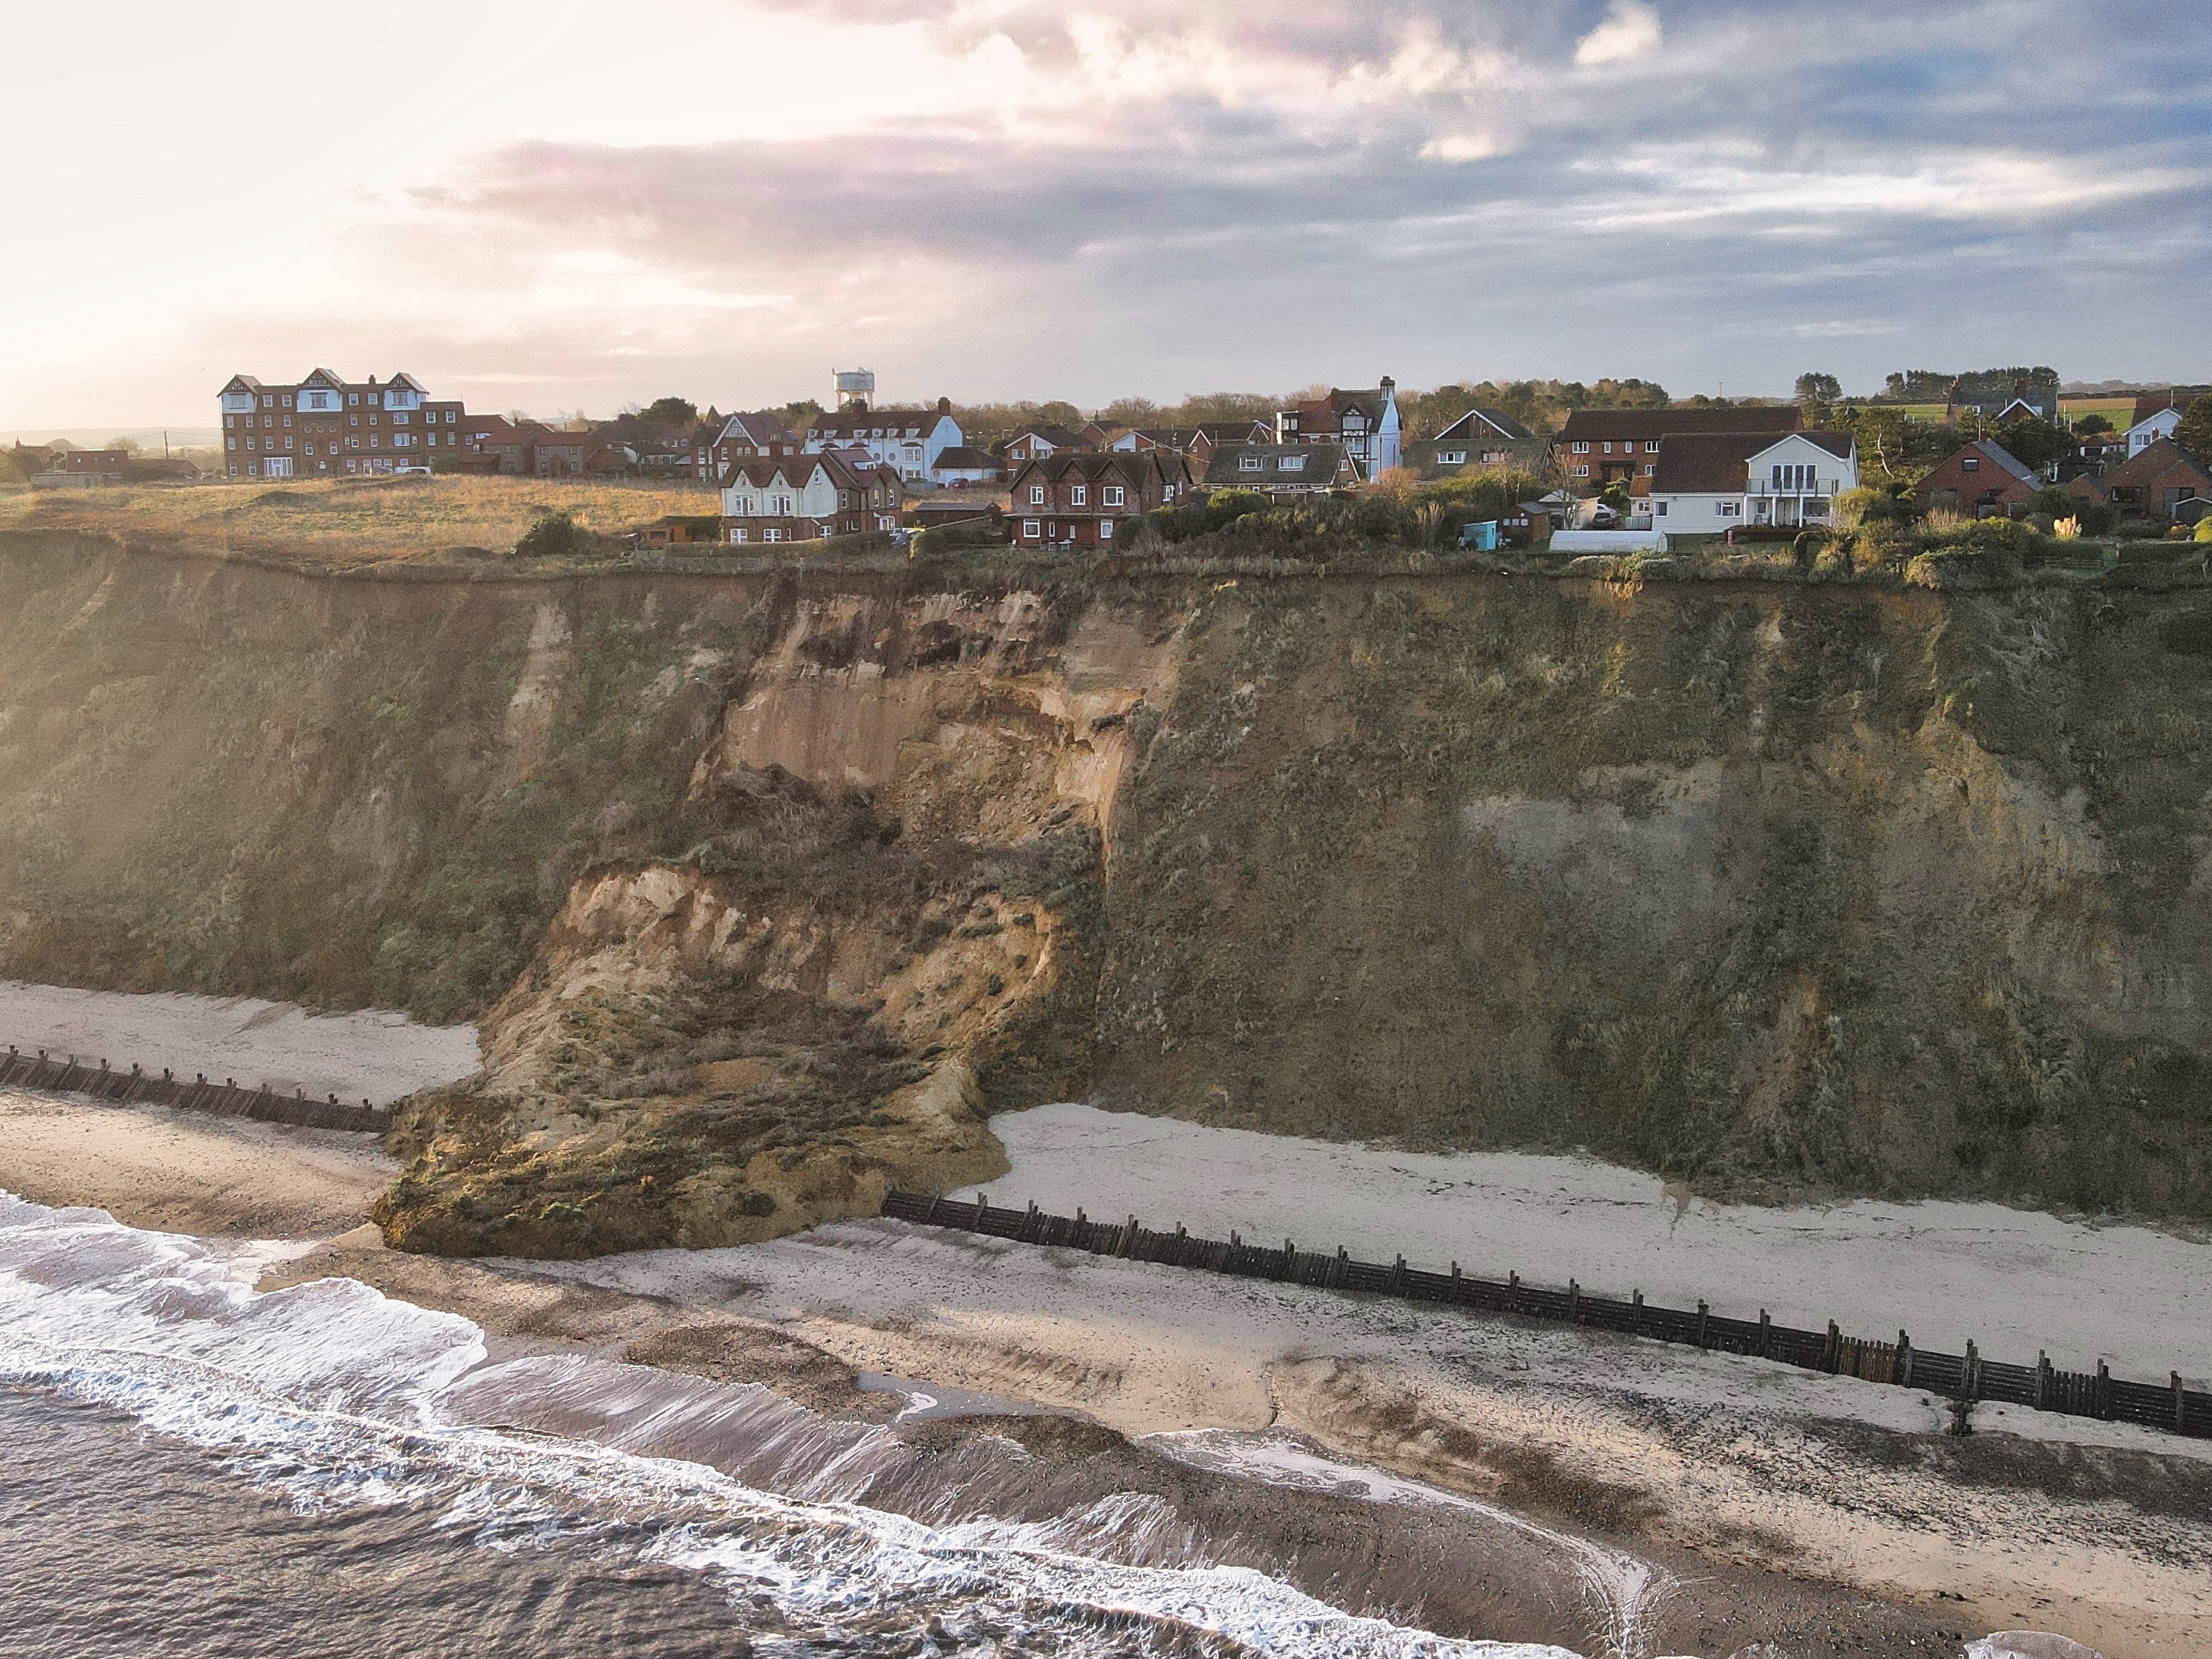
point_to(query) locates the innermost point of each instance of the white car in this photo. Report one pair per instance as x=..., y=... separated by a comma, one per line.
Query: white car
x=411, y=472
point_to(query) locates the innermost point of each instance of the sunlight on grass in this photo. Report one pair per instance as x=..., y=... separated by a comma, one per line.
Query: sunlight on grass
x=351, y=521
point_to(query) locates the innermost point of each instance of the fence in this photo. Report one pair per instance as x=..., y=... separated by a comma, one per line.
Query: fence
x=73, y=1076
x=1966, y=1377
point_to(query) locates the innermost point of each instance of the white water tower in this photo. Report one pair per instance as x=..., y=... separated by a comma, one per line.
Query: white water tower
x=854, y=385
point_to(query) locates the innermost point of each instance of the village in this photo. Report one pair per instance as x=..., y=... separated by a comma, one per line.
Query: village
x=1619, y=468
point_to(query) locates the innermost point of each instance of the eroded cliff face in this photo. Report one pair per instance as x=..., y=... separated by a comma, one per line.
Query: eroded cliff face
x=766, y=892
x=1772, y=891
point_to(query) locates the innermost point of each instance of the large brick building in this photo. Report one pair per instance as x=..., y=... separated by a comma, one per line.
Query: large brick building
x=321, y=427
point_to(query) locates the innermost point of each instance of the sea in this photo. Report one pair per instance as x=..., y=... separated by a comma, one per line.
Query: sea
x=189, y=1467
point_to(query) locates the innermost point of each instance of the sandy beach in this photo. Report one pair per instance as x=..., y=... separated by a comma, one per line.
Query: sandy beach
x=1828, y=1516
x=372, y=1055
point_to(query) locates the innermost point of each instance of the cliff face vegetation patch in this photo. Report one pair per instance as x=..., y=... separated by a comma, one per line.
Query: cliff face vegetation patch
x=1829, y=893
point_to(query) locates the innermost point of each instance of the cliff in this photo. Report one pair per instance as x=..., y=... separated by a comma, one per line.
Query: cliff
x=765, y=890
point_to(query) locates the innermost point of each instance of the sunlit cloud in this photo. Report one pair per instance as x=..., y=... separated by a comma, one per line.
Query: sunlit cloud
x=1630, y=29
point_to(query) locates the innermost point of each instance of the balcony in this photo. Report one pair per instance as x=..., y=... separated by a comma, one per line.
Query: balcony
x=1767, y=487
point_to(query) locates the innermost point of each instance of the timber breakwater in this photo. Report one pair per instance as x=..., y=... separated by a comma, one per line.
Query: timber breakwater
x=137, y=1086
x=1966, y=1378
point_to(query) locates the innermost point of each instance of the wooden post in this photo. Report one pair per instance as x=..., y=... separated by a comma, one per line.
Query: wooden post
x=1704, y=1313
x=1900, y=1368
x=2180, y=1405
x=1574, y=1303
x=1971, y=1383
x=1398, y=1276
x=1289, y=1259
x=1765, y=1335
x=981, y=1199
x=1835, y=1349
x=2103, y=1391
x=2042, y=1381
x=1635, y=1301
x=935, y=1199
x=1456, y=1284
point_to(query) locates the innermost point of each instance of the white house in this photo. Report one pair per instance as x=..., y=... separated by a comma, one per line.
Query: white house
x=2145, y=433
x=1707, y=483
x=796, y=498
x=1364, y=424
x=908, y=440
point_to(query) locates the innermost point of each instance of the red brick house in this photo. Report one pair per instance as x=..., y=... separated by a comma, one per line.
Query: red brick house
x=1034, y=443
x=748, y=437
x=495, y=444
x=2159, y=481
x=1598, y=446
x=1083, y=498
x=562, y=454
x=1983, y=476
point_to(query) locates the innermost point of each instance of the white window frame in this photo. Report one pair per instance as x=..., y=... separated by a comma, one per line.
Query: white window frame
x=1111, y=496
x=1031, y=529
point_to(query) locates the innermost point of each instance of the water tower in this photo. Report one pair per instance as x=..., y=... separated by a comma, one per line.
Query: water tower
x=854, y=385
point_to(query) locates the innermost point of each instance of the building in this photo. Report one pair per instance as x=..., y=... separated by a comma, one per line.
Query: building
x=1709, y=483
x=2158, y=414
x=492, y=443
x=1197, y=442
x=1082, y=498
x=561, y=454
x=2159, y=482
x=1034, y=442
x=1283, y=472
x=907, y=441
x=2000, y=396
x=1363, y=425
x=1985, y=477
x=959, y=467
x=804, y=497
x=1599, y=446
x=1480, y=440
x=322, y=426
x=748, y=437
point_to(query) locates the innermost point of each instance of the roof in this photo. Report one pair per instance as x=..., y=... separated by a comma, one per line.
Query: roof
x=1706, y=462
x=1494, y=422
x=2148, y=403
x=243, y=382
x=1327, y=414
x=1132, y=466
x=961, y=459
x=861, y=422
x=1841, y=445
x=1058, y=436
x=410, y=382
x=322, y=376
x=2155, y=460
x=759, y=428
x=1771, y=419
x=1998, y=454
x=1315, y=463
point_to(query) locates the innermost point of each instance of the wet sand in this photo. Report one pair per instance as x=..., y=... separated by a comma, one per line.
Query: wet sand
x=1826, y=1516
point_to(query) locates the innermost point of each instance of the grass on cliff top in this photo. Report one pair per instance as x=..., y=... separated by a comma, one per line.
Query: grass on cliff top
x=348, y=521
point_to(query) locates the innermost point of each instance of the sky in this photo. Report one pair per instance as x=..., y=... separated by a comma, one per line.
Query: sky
x=552, y=206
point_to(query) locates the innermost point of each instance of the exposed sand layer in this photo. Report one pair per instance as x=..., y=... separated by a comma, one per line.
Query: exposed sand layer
x=189, y=1172
x=372, y=1055
x=2016, y=1281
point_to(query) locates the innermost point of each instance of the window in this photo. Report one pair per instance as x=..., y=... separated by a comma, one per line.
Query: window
x=1030, y=529
x=1582, y=472
x=1660, y=507
x=400, y=420
x=771, y=534
x=288, y=420
x=1607, y=445
x=251, y=443
x=1253, y=462
x=1110, y=495
x=739, y=532
x=1293, y=464
x=1451, y=458
x=1078, y=496
x=1970, y=464
x=287, y=401
x=352, y=397
x=1036, y=495
x=268, y=400
x=1105, y=530
x=231, y=442
x=1729, y=509
x=1582, y=449
x=1651, y=446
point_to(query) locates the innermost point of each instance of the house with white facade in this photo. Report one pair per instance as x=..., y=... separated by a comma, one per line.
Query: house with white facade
x=1709, y=483
x=907, y=441
x=798, y=498
x=1363, y=425
x=2157, y=414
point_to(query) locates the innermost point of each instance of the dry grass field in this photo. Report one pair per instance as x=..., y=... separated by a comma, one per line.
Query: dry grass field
x=353, y=520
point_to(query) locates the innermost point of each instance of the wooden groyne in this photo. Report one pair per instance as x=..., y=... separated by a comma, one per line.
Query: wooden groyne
x=74, y=1076
x=1969, y=1376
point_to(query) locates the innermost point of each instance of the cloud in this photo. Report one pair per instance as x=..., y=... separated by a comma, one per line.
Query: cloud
x=1630, y=29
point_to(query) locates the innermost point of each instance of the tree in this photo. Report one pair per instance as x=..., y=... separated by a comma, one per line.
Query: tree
x=1814, y=387
x=2195, y=432
x=669, y=411
x=1130, y=412
x=2037, y=442
x=2090, y=425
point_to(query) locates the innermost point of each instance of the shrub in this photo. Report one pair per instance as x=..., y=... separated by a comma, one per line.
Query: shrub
x=2067, y=529
x=556, y=535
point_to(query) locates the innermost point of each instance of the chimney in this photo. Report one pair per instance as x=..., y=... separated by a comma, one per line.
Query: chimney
x=1388, y=385
x=1286, y=426
x=945, y=405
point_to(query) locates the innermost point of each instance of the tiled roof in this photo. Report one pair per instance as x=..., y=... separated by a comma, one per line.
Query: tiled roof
x=1705, y=463
x=1476, y=421
x=1773, y=420
x=1279, y=464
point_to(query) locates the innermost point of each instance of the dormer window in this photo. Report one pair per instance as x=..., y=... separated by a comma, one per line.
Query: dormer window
x=1293, y=464
x=1252, y=463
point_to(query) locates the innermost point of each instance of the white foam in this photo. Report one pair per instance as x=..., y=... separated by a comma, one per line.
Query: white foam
x=337, y=1396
